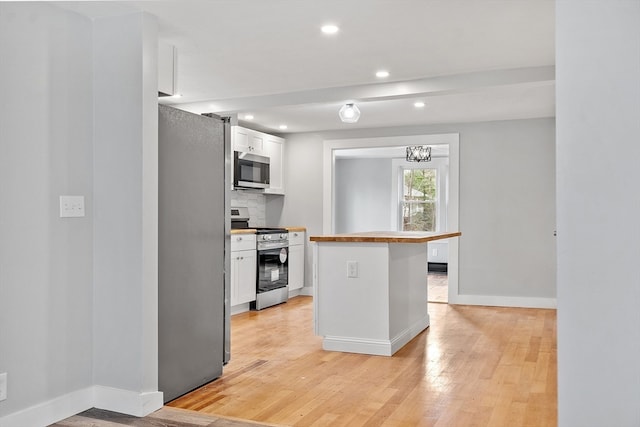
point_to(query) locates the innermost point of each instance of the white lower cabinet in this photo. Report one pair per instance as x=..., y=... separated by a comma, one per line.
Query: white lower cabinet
x=296, y=259
x=243, y=269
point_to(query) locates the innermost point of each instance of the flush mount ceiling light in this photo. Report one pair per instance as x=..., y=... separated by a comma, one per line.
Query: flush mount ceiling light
x=349, y=113
x=419, y=153
x=382, y=74
x=329, y=29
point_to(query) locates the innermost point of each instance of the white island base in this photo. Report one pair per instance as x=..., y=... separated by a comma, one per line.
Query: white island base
x=384, y=306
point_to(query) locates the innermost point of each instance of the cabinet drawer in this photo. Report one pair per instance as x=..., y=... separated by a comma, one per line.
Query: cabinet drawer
x=243, y=242
x=296, y=238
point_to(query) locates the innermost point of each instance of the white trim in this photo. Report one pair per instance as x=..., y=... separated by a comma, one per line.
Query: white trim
x=240, y=308
x=372, y=346
x=51, y=411
x=357, y=345
x=504, y=301
x=451, y=139
x=127, y=402
x=59, y=408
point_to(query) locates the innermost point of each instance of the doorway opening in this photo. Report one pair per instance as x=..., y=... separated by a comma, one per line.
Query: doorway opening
x=364, y=190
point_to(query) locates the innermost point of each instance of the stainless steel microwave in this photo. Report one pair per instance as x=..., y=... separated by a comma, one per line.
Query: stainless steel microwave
x=250, y=170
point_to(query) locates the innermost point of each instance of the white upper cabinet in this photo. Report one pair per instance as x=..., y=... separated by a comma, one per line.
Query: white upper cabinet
x=249, y=140
x=274, y=149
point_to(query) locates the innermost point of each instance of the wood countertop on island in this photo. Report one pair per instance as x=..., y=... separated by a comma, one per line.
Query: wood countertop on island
x=386, y=237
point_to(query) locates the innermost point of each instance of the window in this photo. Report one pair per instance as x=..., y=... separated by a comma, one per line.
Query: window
x=419, y=203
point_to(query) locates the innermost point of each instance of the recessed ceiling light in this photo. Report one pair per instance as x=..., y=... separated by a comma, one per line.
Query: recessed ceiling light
x=283, y=127
x=248, y=117
x=418, y=104
x=329, y=29
x=382, y=74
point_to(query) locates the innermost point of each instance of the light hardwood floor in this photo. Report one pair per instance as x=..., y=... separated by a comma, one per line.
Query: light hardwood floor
x=474, y=366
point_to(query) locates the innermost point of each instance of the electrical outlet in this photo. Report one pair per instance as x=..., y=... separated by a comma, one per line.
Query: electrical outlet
x=71, y=206
x=434, y=252
x=352, y=269
x=3, y=386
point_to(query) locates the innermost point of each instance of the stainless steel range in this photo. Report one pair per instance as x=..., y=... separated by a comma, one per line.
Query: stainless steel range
x=272, y=285
x=272, y=249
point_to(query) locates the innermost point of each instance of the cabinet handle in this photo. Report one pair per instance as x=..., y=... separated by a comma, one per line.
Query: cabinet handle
x=295, y=234
x=239, y=239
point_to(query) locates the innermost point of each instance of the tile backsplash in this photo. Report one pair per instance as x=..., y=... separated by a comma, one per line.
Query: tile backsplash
x=256, y=204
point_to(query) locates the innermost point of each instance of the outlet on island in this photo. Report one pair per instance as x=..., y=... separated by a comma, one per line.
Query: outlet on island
x=352, y=269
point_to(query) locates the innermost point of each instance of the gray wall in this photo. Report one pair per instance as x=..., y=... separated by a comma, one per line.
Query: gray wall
x=363, y=195
x=126, y=210
x=45, y=151
x=507, y=201
x=598, y=147
x=78, y=296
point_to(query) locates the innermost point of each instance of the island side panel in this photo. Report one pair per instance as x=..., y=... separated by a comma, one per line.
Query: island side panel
x=349, y=308
x=408, y=308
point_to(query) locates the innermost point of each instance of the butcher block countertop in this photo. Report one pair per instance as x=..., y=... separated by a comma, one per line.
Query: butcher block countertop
x=386, y=237
x=296, y=228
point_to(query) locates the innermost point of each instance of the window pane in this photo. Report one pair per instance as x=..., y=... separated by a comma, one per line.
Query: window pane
x=419, y=184
x=419, y=207
x=419, y=216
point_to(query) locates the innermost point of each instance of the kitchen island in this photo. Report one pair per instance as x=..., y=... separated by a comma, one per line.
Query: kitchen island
x=370, y=289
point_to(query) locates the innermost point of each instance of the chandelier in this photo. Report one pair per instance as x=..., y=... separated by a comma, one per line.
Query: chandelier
x=419, y=153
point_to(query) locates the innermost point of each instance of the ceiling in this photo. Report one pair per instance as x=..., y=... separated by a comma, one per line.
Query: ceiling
x=467, y=60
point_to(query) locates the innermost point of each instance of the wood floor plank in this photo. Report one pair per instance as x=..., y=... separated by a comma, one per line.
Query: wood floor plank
x=474, y=366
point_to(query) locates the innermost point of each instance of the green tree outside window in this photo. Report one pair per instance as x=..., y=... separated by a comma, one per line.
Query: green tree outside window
x=419, y=201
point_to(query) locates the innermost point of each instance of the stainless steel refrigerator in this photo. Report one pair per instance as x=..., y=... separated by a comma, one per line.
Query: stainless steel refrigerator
x=193, y=297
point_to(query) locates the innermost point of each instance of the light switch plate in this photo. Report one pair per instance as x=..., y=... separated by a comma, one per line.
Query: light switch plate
x=71, y=206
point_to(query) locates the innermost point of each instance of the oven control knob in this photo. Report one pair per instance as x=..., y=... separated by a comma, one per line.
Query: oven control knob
x=284, y=236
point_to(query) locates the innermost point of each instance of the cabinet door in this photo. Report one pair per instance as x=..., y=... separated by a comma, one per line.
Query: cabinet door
x=240, y=139
x=247, y=265
x=234, y=278
x=243, y=277
x=296, y=267
x=274, y=149
x=243, y=139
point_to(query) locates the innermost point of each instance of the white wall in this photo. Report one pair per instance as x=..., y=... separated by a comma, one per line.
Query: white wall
x=126, y=219
x=78, y=296
x=598, y=147
x=45, y=151
x=363, y=195
x=507, y=204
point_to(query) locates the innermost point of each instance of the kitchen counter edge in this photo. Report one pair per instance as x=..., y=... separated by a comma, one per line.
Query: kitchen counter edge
x=386, y=237
x=253, y=230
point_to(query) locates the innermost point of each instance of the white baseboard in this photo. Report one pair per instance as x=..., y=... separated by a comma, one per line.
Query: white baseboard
x=408, y=334
x=51, y=411
x=375, y=347
x=240, y=308
x=357, y=345
x=59, y=408
x=307, y=290
x=504, y=301
x=125, y=401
